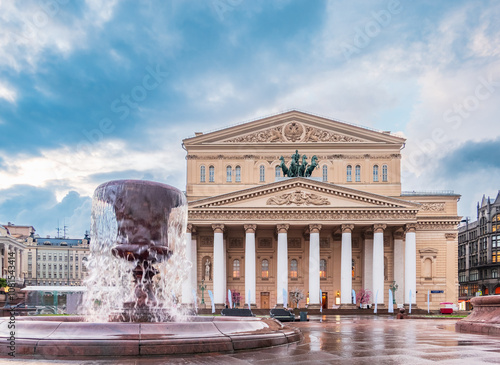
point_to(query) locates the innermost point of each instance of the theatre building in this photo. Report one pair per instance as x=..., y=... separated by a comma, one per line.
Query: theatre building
x=346, y=226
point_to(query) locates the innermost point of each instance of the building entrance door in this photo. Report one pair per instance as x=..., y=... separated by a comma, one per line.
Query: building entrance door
x=324, y=301
x=264, y=300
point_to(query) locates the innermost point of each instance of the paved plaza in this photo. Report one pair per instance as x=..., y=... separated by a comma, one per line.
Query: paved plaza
x=350, y=340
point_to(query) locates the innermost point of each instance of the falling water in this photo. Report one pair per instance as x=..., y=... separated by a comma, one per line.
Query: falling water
x=110, y=283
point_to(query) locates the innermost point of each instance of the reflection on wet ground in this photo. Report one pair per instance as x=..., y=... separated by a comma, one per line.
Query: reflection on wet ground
x=353, y=340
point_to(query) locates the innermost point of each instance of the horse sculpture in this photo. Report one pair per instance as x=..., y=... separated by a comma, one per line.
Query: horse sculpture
x=283, y=166
x=312, y=166
x=302, y=168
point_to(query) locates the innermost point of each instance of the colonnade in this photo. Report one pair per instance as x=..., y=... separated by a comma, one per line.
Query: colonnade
x=404, y=264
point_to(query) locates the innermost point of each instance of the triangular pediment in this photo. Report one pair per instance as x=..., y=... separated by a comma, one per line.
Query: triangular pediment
x=292, y=128
x=302, y=193
x=428, y=251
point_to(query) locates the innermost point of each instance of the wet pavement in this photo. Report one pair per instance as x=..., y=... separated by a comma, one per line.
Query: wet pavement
x=348, y=340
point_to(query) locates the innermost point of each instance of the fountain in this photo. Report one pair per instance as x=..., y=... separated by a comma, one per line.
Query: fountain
x=136, y=268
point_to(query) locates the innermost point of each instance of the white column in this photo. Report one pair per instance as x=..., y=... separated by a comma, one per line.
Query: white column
x=219, y=265
x=410, y=264
x=378, y=263
x=346, y=265
x=16, y=270
x=250, y=262
x=194, y=256
x=282, y=266
x=5, y=260
x=399, y=266
x=187, y=296
x=21, y=264
x=314, y=258
x=368, y=266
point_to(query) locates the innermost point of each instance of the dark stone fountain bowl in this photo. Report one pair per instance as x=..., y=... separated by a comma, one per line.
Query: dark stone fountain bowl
x=144, y=212
x=72, y=338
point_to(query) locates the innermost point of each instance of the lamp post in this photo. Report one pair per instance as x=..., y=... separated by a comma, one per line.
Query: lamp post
x=394, y=287
x=202, y=288
x=6, y=289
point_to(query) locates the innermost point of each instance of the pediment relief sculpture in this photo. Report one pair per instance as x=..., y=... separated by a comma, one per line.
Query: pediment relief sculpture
x=299, y=198
x=293, y=132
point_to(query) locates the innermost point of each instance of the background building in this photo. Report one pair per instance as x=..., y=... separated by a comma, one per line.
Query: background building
x=56, y=261
x=479, y=251
x=348, y=226
x=14, y=239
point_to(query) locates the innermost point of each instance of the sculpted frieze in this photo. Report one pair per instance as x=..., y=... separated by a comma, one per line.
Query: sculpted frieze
x=231, y=215
x=433, y=207
x=293, y=132
x=298, y=198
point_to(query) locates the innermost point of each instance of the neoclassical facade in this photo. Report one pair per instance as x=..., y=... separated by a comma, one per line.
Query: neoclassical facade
x=347, y=227
x=13, y=243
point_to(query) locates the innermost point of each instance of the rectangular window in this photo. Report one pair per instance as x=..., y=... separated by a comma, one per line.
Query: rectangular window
x=494, y=273
x=262, y=174
x=384, y=173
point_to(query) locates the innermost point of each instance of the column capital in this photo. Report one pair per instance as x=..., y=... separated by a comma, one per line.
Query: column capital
x=368, y=233
x=282, y=228
x=347, y=228
x=450, y=236
x=314, y=228
x=377, y=228
x=250, y=228
x=218, y=228
x=399, y=234
x=411, y=227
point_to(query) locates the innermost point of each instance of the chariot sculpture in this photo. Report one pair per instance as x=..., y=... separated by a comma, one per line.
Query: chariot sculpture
x=298, y=167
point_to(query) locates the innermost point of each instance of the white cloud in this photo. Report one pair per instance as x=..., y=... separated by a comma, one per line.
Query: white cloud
x=74, y=166
x=30, y=29
x=7, y=93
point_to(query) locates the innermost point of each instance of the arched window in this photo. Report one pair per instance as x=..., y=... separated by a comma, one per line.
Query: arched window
x=236, y=269
x=384, y=173
x=265, y=268
x=294, y=269
x=349, y=173
x=325, y=173
x=262, y=173
x=358, y=173
x=277, y=171
x=211, y=174
x=229, y=174
x=322, y=268
x=237, y=171
x=202, y=173
x=375, y=173
x=482, y=226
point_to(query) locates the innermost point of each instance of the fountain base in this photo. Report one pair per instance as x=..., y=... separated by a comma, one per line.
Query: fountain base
x=70, y=337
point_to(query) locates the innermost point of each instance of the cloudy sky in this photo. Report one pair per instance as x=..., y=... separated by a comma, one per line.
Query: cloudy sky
x=93, y=90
